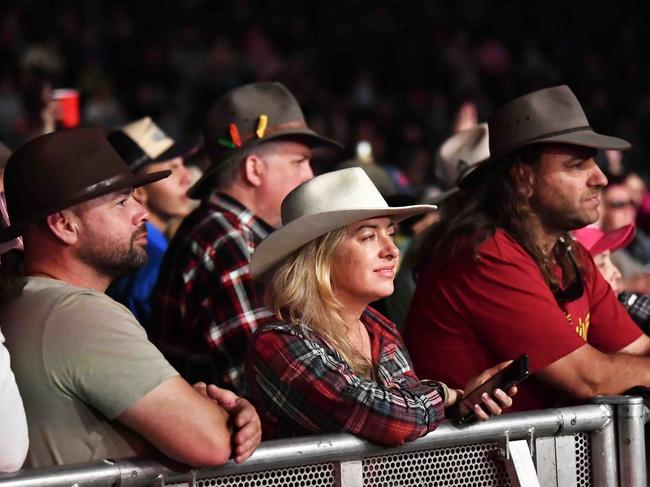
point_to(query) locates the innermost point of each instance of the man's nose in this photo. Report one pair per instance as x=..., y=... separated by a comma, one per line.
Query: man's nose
x=308, y=173
x=141, y=214
x=597, y=177
x=184, y=175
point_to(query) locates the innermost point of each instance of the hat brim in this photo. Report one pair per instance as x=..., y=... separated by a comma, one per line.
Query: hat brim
x=308, y=136
x=581, y=138
x=15, y=229
x=436, y=200
x=614, y=240
x=179, y=149
x=290, y=237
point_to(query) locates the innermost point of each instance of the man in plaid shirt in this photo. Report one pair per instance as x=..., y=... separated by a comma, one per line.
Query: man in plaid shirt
x=206, y=306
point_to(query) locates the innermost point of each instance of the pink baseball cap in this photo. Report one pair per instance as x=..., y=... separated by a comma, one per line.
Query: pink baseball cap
x=596, y=241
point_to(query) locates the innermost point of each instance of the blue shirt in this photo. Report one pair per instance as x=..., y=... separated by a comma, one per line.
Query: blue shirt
x=135, y=290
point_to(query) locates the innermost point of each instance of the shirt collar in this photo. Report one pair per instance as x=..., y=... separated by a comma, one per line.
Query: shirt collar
x=221, y=201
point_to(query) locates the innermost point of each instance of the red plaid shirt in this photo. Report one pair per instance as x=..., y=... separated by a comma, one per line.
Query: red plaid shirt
x=301, y=386
x=205, y=300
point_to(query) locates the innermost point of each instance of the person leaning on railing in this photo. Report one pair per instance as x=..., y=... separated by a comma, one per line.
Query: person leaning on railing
x=93, y=386
x=331, y=363
x=499, y=275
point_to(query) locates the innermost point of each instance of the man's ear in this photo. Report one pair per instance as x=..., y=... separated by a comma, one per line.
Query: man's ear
x=65, y=226
x=254, y=169
x=523, y=177
x=140, y=195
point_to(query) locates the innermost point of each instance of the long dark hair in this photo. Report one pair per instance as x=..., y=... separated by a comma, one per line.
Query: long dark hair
x=472, y=215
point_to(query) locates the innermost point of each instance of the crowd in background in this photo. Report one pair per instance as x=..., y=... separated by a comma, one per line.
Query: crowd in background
x=391, y=74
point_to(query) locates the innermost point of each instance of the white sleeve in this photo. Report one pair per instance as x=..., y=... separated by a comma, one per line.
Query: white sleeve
x=13, y=424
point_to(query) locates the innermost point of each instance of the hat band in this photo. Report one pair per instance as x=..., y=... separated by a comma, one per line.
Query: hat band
x=99, y=186
x=502, y=151
x=562, y=132
x=298, y=124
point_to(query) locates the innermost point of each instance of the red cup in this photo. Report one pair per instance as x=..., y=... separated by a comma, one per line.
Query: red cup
x=67, y=100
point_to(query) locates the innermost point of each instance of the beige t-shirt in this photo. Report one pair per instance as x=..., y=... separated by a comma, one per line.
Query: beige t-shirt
x=80, y=360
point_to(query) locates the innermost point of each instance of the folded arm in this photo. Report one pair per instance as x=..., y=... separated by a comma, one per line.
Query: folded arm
x=587, y=372
x=182, y=423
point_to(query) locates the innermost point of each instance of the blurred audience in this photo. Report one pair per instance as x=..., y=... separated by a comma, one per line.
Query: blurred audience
x=93, y=386
x=600, y=245
x=129, y=61
x=206, y=305
x=457, y=156
x=147, y=149
x=350, y=371
x=618, y=210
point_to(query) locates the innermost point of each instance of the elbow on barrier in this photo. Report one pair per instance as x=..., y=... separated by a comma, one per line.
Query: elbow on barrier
x=593, y=444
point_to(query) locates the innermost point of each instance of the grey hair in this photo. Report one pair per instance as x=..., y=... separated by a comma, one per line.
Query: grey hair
x=226, y=175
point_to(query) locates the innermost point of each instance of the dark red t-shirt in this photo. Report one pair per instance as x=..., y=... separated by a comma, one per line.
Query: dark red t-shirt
x=471, y=314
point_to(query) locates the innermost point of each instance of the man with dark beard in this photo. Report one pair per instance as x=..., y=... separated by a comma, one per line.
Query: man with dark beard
x=93, y=386
x=500, y=275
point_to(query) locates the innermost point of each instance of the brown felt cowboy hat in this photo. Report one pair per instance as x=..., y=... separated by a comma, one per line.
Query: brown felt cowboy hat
x=552, y=115
x=247, y=116
x=58, y=170
x=320, y=205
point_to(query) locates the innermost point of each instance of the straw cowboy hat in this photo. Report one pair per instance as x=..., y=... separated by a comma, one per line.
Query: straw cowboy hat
x=142, y=142
x=459, y=155
x=551, y=115
x=320, y=205
x=247, y=116
x=61, y=169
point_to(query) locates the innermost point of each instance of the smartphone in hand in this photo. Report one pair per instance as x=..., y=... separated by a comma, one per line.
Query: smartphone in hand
x=512, y=375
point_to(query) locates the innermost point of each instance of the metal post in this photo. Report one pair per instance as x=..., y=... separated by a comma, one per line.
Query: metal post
x=603, y=453
x=630, y=417
x=519, y=464
x=348, y=474
x=545, y=461
x=565, y=457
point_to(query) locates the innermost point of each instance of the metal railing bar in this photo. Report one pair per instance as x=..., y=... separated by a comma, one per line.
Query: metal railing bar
x=322, y=449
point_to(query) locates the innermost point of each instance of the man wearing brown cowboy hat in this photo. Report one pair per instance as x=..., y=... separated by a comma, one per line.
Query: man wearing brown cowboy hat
x=93, y=386
x=500, y=275
x=205, y=303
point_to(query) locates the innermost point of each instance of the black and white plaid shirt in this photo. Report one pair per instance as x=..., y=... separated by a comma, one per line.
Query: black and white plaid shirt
x=638, y=306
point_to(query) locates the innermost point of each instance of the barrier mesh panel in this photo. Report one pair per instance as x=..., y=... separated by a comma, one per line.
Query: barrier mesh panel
x=469, y=465
x=303, y=476
x=583, y=459
x=474, y=465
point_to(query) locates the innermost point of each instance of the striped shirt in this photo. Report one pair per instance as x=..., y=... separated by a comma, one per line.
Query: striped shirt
x=302, y=386
x=205, y=300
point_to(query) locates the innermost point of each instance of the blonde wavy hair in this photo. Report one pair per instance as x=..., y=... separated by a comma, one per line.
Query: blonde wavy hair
x=301, y=292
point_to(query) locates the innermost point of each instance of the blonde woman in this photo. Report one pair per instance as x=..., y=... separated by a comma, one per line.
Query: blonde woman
x=330, y=362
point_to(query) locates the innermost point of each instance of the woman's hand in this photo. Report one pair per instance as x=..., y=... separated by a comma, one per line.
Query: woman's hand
x=488, y=404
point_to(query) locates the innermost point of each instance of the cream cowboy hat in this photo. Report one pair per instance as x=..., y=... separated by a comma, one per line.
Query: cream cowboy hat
x=320, y=205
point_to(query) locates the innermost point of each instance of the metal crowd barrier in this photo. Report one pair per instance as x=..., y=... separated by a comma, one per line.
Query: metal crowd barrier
x=601, y=444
